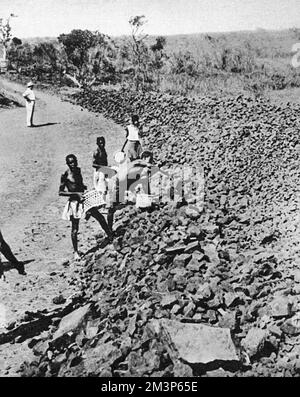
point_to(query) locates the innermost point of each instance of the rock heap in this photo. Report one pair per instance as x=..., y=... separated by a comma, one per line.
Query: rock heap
x=185, y=293
x=6, y=103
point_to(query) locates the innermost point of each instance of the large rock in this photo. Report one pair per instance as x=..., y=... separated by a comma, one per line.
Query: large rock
x=72, y=322
x=103, y=355
x=168, y=301
x=181, y=260
x=199, y=344
x=182, y=370
x=211, y=252
x=254, y=341
x=281, y=307
x=292, y=325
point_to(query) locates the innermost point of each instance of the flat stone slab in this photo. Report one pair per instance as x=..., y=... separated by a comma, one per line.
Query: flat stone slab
x=292, y=325
x=281, y=307
x=72, y=321
x=168, y=301
x=200, y=344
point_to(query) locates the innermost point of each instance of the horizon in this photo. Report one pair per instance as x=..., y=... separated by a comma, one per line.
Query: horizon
x=47, y=18
x=257, y=30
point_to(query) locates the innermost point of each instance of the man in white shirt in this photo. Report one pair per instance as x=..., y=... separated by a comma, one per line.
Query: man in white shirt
x=30, y=101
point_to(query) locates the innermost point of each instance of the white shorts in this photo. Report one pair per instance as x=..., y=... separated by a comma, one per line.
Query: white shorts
x=73, y=209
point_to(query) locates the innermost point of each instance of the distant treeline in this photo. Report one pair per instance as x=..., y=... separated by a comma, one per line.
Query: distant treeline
x=186, y=64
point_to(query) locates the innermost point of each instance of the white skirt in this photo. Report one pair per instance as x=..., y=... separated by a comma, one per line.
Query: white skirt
x=73, y=209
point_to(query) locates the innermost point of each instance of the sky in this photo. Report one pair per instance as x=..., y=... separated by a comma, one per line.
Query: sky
x=40, y=18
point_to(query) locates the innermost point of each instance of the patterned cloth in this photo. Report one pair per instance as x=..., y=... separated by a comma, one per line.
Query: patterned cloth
x=93, y=199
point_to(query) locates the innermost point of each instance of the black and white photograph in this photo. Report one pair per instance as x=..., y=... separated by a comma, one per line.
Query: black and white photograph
x=149, y=191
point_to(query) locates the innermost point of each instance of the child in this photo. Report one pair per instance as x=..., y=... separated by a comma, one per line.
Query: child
x=133, y=139
x=100, y=155
x=151, y=180
x=102, y=175
x=73, y=211
x=132, y=174
x=143, y=167
x=147, y=157
x=100, y=164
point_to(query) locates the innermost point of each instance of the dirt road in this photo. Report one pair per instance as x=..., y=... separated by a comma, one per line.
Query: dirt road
x=31, y=162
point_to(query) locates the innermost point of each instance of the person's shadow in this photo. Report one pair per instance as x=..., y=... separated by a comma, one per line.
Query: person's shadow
x=44, y=125
x=7, y=266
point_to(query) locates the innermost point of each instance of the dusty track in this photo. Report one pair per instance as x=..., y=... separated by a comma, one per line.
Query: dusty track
x=31, y=161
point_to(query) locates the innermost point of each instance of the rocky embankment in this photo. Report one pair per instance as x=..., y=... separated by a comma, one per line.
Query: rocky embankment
x=6, y=102
x=183, y=292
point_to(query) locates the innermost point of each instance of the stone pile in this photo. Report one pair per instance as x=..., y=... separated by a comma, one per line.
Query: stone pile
x=194, y=293
x=6, y=102
x=249, y=150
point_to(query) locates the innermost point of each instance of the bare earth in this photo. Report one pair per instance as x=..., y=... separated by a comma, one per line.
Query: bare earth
x=31, y=162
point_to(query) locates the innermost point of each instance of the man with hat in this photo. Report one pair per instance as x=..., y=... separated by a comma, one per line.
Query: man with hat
x=30, y=101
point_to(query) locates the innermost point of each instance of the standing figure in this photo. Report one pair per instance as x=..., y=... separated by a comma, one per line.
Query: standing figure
x=73, y=211
x=101, y=176
x=99, y=164
x=29, y=96
x=100, y=155
x=72, y=180
x=7, y=252
x=133, y=139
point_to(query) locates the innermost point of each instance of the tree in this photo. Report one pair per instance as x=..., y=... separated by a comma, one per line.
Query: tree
x=20, y=56
x=124, y=66
x=87, y=53
x=5, y=34
x=184, y=63
x=158, y=57
x=46, y=53
x=140, y=50
x=48, y=60
x=159, y=44
x=15, y=41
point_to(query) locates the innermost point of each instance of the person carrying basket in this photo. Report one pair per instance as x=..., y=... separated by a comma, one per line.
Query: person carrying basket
x=72, y=181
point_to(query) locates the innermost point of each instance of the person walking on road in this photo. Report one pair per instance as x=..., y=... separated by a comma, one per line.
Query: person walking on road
x=29, y=96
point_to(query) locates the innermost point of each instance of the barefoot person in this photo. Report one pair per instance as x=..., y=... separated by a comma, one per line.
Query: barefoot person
x=7, y=252
x=102, y=175
x=72, y=180
x=29, y=96
x=133, y=139
x=100, y=166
